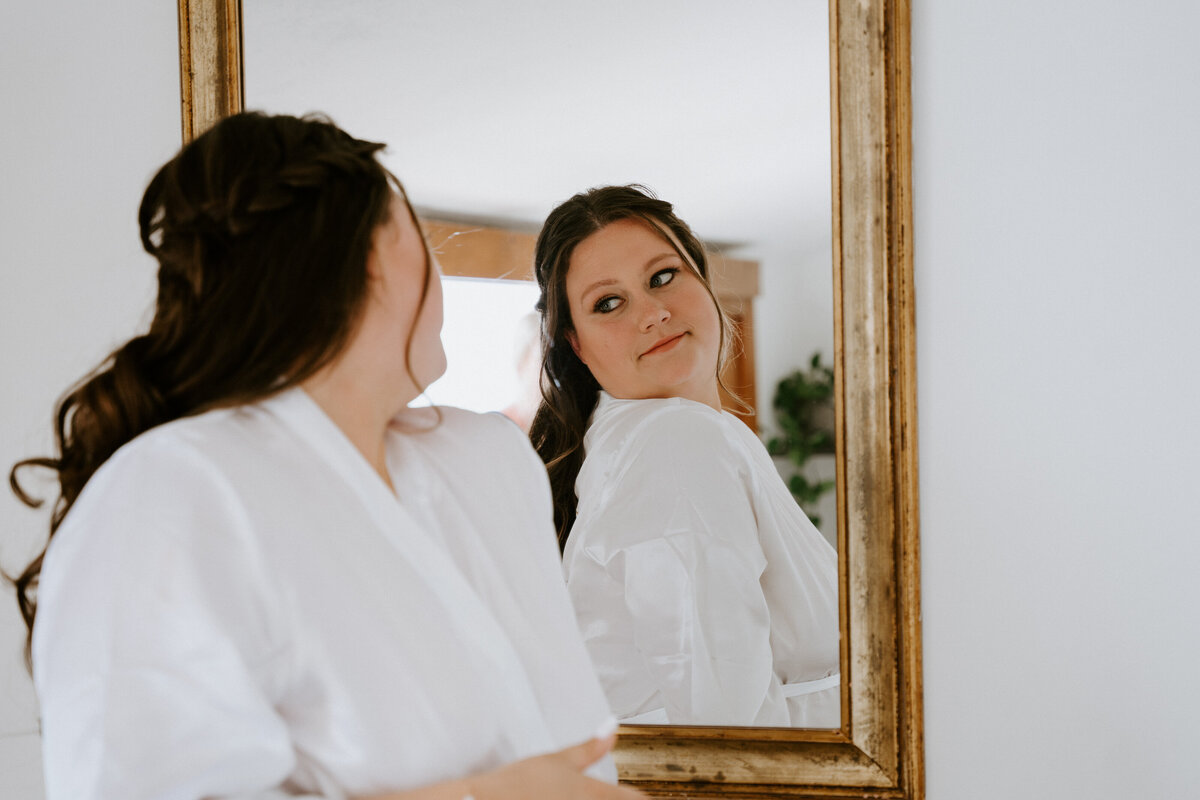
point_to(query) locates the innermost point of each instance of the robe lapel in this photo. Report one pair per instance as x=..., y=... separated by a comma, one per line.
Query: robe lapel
x=476, y=626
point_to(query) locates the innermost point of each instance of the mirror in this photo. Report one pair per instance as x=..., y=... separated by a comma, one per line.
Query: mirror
x=494, y=113
x=878, y=747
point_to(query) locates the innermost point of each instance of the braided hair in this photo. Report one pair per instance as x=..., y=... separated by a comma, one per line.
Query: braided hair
x=261, y=228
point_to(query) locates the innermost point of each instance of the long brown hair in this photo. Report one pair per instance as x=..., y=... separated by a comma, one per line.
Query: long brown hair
x=261, y=228
x=569, y=391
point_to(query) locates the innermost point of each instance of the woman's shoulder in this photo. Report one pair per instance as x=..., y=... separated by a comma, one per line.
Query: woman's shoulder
x=470, y=439
x=483, y=464
x=447, y=425
x=171, y=484
x=181, y=459
x=658, y=469
x=193, y=440
x=674, y=421
x=659, y=445
x=198, y=446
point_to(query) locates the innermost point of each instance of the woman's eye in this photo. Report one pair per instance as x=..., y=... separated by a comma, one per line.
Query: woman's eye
x=663, y=277
x=606, y=304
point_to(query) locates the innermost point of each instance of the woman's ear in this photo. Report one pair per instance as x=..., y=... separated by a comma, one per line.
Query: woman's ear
x=374, y=268
x=574, y=341
x=376, y=263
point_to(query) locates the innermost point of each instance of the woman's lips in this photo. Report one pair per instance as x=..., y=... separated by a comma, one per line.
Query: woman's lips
x=663, y=345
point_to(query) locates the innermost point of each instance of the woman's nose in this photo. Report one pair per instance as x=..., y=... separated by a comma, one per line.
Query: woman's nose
x=654, y=313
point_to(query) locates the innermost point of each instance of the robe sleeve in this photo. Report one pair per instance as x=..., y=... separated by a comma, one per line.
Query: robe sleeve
x=158, y=656
x=676, y=529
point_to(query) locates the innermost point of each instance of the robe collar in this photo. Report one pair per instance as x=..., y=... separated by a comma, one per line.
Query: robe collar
x=476, y=626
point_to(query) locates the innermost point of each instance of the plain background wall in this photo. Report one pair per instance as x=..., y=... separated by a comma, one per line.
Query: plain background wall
x=89, y=108
x=1057, y=202
x=1056, y=184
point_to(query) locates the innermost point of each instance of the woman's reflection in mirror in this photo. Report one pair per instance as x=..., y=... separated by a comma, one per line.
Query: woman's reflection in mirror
x=704, y=594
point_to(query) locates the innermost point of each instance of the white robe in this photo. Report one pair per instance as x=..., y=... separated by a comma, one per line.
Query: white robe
x=704, y=593
x=238, y=606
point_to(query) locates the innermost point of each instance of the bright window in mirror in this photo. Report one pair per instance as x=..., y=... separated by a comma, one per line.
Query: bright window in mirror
x=490, y=336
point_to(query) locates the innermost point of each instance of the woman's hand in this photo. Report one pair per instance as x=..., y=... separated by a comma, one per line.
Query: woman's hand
x=552, y=776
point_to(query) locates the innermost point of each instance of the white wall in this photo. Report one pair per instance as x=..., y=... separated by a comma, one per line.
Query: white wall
x=89, y=93
x=1057, y=187
x=1057, y=182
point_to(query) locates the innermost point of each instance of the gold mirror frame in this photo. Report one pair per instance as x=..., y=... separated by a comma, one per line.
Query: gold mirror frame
x=879, y=750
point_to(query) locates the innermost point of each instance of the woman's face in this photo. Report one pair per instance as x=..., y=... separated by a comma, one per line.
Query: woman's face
x=397, y=266
x=643, y=322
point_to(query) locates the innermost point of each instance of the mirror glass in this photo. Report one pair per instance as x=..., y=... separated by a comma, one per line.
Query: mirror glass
x=496, y=112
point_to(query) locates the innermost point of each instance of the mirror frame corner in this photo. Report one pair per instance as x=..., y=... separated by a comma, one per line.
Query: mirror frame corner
x=879, y=750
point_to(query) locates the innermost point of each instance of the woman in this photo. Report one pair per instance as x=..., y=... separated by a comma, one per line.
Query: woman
x=267, y=576
x=704, y=594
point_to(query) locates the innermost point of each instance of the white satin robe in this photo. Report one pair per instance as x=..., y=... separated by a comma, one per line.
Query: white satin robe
x=704, y=593
x=238, y=606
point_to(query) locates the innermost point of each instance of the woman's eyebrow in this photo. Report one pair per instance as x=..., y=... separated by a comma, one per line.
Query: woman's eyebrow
x=661, y=257
x=597, y=285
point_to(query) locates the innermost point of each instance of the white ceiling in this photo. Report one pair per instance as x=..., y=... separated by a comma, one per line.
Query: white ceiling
x=499, y=111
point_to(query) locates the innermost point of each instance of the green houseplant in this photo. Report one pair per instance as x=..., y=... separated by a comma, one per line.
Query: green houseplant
x=803, y=406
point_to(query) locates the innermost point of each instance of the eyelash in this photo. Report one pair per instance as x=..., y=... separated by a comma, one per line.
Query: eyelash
x=672, y=270
x=598, y=308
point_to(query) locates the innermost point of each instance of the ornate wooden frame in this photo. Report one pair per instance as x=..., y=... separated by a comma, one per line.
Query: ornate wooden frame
x=879, y=750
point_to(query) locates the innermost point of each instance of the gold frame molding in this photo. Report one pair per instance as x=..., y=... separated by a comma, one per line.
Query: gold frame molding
x=879, y=750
